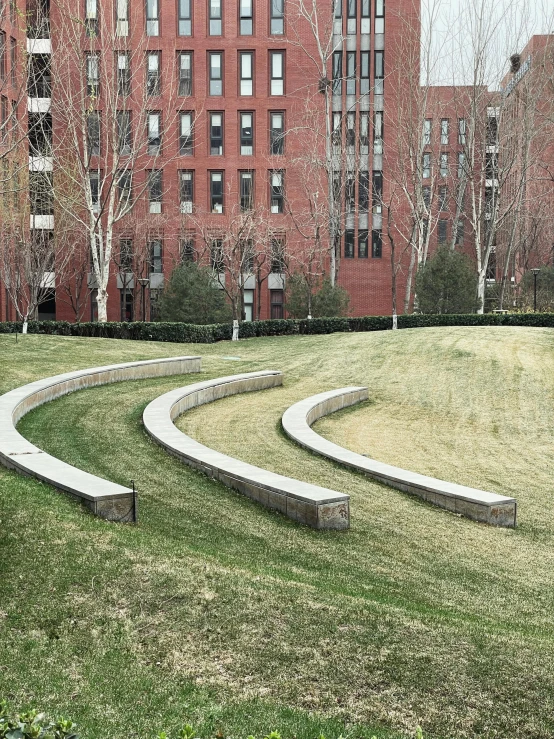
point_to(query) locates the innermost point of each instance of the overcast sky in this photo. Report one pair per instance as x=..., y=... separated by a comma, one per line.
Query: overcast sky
x=507, y=25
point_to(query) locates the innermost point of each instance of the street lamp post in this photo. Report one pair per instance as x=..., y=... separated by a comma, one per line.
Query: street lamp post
x=143, y=283
x=535, y=272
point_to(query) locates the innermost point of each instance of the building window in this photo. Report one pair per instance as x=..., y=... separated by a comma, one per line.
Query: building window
x=336, y=136
x=124, y=189
x=366, y=13
x=41, y=193
x=246, y=13
x=376, y=244
x=444, y=164
x=379, y=72
x=246, y=59
x=155, y=252
x=123, y=74
x=216, y=134
x=185, y=18
x=13, y=61
x=491, y=165
x=461, y=164
x=363, y=192
x=427, y=124
x=152, y=18
x=445, y=132
x=216, y=192
x=277, y=301
x=350, y=132
x=363, y=249
x=126, y=255
x=338, y=9
x=462, y=131
x=153, y=73
x=246, y=190
x=155, y=190
x=378, y=132
x=337, y=73
x=379, y=16
x=154, y=136
x=349, y=244
x=492, y=127
x=186, y=249
x=441, y=230
x=443, y=197
x=277, y=192
x=2, y=53
x=216, y=73
x=217, y=262
x=364, y=133
x=93, y=75
x=122, y=18
x=93, y=134
x=277, y=82
x=91, y=17
x=215, y=17
x=276, y=134
x=246, y=134
x=350, y=193
x=377, y=192
x=351, y=73
x=426, y=166
x=277, y=20
x=364, y=73
x=185, y=135
x=278, y=255
x=248, y=301
x=94, y=182
x=123, y=123
x=186, y=190
x=185, y=73
x=426, y=195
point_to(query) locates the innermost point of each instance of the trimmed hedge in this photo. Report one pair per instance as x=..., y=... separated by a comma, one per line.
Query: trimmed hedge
x=187, y=333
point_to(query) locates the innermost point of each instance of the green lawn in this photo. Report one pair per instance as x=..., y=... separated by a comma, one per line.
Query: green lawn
x=218, y=612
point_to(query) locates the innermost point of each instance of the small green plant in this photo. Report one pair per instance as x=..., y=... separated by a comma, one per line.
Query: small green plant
x=33, y=725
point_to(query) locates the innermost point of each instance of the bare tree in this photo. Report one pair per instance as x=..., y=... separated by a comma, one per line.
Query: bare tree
x=109, y=133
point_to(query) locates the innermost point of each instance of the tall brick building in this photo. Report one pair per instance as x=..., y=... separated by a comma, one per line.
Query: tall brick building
x=227, y=106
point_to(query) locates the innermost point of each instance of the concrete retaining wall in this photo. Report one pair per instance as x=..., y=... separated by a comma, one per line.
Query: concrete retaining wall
x=479, y=505
x=104, y=498
x=301, y=501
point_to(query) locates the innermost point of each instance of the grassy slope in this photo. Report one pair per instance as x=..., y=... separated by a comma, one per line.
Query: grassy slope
x=235, y=618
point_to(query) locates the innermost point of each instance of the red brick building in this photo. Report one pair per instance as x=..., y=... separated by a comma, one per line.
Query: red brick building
x=235, y=112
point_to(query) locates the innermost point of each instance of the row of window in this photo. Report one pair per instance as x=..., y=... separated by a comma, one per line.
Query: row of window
x=215, y=17
x=350, y=132
x=344, y=70
x=188, y=253
x=155, y=189
x=215, y=68
x=363, y=244
x=444, y=164
x=4, y=58
x=186, y=125
x=491, y=132
x=444, y=131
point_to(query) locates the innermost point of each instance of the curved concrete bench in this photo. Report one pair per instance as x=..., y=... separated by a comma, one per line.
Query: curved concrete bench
x=104, y=498
x=476, y=504
x=301, y=501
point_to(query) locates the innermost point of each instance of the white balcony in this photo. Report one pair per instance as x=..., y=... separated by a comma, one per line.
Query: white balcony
x=38, y=105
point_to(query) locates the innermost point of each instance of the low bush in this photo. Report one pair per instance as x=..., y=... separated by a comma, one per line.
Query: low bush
x=187, y=333
x=35, y=725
